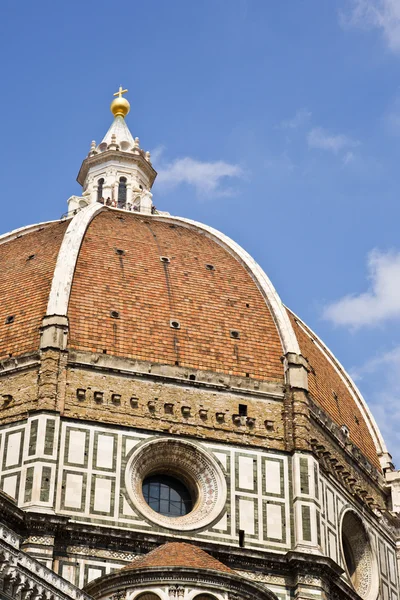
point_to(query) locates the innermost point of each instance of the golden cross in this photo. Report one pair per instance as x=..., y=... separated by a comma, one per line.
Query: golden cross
x=120, y=92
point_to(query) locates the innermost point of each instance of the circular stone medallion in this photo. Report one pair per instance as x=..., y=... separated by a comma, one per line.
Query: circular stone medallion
x=193, y=466
x=358, y=556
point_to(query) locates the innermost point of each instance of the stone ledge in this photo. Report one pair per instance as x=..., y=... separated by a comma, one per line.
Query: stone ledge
x=181, y=375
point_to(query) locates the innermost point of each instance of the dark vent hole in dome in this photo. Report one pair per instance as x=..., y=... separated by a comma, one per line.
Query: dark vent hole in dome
x=31, y=256
x=235, y=334
x=210, y=267
x=242, y=410
x=165, y=259
x=175, y=324
x=119, y=252
x=114, y=314
x=10, y=319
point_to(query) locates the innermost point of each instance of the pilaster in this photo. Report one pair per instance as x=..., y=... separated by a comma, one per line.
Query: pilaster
x=40, y=547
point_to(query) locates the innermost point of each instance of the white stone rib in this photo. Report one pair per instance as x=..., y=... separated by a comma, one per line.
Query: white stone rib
x=10, y=235
x=271, y=297
x=351, y=386
x=66, y=260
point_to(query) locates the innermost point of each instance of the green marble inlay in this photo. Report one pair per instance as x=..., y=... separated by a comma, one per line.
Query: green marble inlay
x=28, y=484
x=316, y=482
x=33, y=437
x=304, y=483
x=306, y=522
x=45, y=484
x=318, y=528
x=49, y=436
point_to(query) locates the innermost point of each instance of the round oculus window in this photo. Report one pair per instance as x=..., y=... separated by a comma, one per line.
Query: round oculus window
x=167, y=495
x=176, y=484
x=358, y=556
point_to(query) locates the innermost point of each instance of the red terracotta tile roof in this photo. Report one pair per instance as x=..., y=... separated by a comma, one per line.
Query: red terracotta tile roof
x=148, y=293
x=329, y=390
x=178, y=554
x=27, y=265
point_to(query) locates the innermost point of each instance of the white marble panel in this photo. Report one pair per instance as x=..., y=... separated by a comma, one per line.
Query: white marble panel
x=332, y=546
x=392, y=567
x=330, y=505
x=68, y=572
x=246, y=476
x=93, y=574
x=126, y=509
x=129, y=444
x=385, y=591
x=102, y=494
x=13, y=448
x=76, y=448
x=274, y=520
x=10, y=486
x=222, y=458
x=246, y=515
x=73, y=490
x=272, y=477
x=222, y=523
x=105, y=451
x=382, y=557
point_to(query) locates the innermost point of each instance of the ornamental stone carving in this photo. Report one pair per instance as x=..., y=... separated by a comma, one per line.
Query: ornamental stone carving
x=191, y=464
x=358, y=556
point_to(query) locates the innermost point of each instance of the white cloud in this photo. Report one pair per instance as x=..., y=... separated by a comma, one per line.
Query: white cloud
x=390, y=359
x=323, y=140
x=206, y=177
x=157, y=153
x=380, y=14
x=348, y=158
x=380, y=303
x=301, y=117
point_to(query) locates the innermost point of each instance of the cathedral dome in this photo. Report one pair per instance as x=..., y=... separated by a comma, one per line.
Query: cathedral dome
x=170, y=294
x=163, y=411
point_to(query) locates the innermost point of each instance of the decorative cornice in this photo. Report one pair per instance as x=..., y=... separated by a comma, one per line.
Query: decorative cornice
x=120, y=156
x=174, y=374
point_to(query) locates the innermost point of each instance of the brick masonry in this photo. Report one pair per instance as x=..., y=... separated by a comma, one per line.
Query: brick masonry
x=27, y=267
x=148, y=293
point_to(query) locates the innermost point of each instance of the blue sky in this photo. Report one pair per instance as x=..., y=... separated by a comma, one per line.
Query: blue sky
x=275, y=122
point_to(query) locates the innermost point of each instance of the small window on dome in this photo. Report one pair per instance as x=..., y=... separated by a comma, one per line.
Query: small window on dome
x=100, y=184
x=122, y=192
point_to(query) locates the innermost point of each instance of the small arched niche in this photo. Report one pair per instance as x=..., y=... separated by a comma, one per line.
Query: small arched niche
x=122, y=192
x=147, y=596
x=100, y=185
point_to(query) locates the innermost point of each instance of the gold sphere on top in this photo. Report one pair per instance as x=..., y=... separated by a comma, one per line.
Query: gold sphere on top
x=120, y=106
